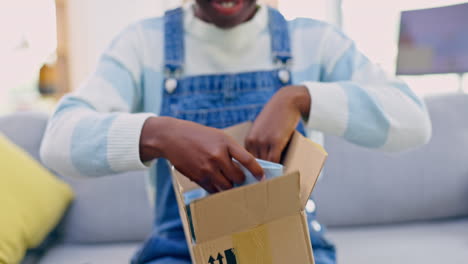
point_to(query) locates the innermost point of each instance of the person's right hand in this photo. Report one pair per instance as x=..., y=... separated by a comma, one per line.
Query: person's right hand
x=201, y=153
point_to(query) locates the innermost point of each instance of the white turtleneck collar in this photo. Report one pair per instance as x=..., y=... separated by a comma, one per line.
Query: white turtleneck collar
x=234, y=37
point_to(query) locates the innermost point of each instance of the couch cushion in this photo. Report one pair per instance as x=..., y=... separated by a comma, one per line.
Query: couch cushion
x=109, y=209
x=363, y=186
x=114, y=208
x=428, y=243
x=90, y=254
x=25, y=129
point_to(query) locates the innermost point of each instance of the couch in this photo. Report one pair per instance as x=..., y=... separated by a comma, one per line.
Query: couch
x=409, y=207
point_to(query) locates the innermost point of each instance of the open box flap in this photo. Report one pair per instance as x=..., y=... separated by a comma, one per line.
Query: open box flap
x=239, y=132
x=245, y=207
x=308, y=158
x=230, y=211
x=302, y=155
x=183, y=212
x=184, y=184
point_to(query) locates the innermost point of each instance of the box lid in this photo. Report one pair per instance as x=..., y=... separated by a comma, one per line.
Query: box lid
x=302, y=154
x=308, y=158
x=245, y=207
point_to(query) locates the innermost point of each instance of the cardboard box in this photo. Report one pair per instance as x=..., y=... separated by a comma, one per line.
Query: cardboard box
x=262, y=223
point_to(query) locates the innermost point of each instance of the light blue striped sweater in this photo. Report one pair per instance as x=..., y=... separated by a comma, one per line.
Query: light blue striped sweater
x=95, y=130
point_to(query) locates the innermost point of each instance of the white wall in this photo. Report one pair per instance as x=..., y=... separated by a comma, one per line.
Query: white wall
x=379, y=39
x=27, y=40
x=93, y=24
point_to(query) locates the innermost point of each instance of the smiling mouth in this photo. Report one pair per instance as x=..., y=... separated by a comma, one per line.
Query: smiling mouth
x=227, y=7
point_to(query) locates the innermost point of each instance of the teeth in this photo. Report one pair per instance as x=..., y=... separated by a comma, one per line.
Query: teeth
x=227, y=4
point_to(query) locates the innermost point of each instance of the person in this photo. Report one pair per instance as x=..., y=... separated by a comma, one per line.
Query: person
x=166, y=86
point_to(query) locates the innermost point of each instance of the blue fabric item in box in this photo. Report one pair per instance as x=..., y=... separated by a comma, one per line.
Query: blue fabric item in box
x=271, y=170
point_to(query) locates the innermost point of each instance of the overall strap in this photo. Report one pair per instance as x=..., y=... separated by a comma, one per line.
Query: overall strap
x=174, y=50
x=281, y=50
x=280, y=41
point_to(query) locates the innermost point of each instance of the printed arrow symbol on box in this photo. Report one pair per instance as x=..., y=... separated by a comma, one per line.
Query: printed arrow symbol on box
x=230, y=256
x=211, y=260
x=220, y=258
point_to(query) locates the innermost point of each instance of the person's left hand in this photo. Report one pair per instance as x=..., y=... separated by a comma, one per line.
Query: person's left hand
x=277, y=122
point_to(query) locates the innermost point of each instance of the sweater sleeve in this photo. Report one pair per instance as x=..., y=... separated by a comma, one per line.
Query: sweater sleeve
x=96, y=131
x=358, y=101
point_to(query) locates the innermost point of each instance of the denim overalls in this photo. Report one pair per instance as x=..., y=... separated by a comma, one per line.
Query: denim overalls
x=218, y=101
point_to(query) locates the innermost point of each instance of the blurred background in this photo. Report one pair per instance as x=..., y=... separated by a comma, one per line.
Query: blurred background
x=48, y=47
x=403, y=208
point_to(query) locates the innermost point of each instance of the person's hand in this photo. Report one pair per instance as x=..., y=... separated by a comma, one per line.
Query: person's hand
x=201, y=153
x=277, y=122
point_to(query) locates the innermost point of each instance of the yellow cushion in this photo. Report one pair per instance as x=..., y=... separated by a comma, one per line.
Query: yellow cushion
x=32, y=201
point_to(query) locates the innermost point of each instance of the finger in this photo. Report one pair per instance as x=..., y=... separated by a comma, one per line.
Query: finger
x=274, y=154
x=209, y=187
x=218, y=189
x=258, y=152
x=205, y=180
x=252, y=148
x=231, y=170
x=220, y=181
x=246, y=159
x=263, y=151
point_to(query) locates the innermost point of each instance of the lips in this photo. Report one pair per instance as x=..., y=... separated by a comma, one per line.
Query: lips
x=227, y=7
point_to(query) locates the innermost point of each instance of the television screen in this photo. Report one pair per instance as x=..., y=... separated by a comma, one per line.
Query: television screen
x=434, y=41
